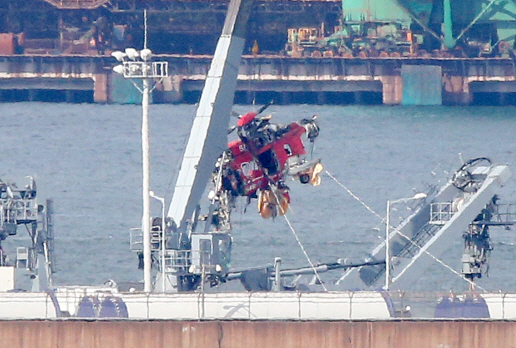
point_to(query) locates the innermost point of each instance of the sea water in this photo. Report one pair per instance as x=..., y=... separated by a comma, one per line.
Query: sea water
x=87, y=157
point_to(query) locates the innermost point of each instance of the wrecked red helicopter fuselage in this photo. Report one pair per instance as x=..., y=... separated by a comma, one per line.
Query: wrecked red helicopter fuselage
x=257, y=164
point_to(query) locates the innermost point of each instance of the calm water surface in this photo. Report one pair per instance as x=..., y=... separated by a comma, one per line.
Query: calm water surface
x=88, y=159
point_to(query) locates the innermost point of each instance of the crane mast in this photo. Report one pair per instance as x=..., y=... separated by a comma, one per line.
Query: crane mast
x=208, y=139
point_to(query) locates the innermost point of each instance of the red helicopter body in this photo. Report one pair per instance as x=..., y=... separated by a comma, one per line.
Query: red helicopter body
x=255, y=168
x=265, y=154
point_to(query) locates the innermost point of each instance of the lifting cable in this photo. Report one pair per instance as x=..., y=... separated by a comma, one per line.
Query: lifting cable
x=298, y=241
x=396, y=230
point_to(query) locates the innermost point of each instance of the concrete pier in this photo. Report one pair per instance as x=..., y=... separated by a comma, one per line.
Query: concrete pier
x=333, y=80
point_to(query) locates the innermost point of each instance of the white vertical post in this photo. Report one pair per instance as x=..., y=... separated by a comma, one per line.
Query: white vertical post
x=387, y=253
x=277, y=275
x=163, y=241
x=145, y=28
x=147, y=258
x=147, y=254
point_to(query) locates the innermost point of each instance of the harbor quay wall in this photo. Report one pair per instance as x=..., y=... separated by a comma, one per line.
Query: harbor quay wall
x=336, y=80
x=256, y=334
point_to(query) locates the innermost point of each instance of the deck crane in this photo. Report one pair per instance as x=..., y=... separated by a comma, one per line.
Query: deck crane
x=465, y=207
x=34, y=265
x=190, y=256
x=255, y=166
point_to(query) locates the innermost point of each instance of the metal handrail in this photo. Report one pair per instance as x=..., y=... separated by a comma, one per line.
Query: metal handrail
x=441, y=212
x=505, y=214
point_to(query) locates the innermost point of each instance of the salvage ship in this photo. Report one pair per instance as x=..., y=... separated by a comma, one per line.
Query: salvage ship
x=188, y=253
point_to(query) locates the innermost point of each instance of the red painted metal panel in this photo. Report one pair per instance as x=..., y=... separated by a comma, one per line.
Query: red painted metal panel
x=7, y=44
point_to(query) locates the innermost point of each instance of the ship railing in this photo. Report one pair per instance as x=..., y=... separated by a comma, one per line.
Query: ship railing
x=156, y=238
x=18, y=211
x=441, y=213
x=136, y=239
x=8, y=222
x=176, y=260
x=137, y=69
x=77, y=4
x=24, y=211
x=6, y=214
x=504, y=214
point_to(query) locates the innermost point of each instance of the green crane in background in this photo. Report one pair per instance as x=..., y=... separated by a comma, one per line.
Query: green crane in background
x=449, y=41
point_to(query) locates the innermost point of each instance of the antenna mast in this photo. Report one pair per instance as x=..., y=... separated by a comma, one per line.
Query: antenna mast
x=145, y=28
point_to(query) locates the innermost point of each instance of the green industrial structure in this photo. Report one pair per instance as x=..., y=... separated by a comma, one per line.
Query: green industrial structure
x=477, y=27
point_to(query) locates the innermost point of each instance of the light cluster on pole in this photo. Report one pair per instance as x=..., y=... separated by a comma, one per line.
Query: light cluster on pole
x=138, y=64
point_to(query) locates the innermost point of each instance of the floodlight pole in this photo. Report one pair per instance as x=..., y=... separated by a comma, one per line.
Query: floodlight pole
x=147, y=257
x=137, y=65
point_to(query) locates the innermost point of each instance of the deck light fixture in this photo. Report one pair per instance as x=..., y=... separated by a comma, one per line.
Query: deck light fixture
x=132, y=54
x=119, y=55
